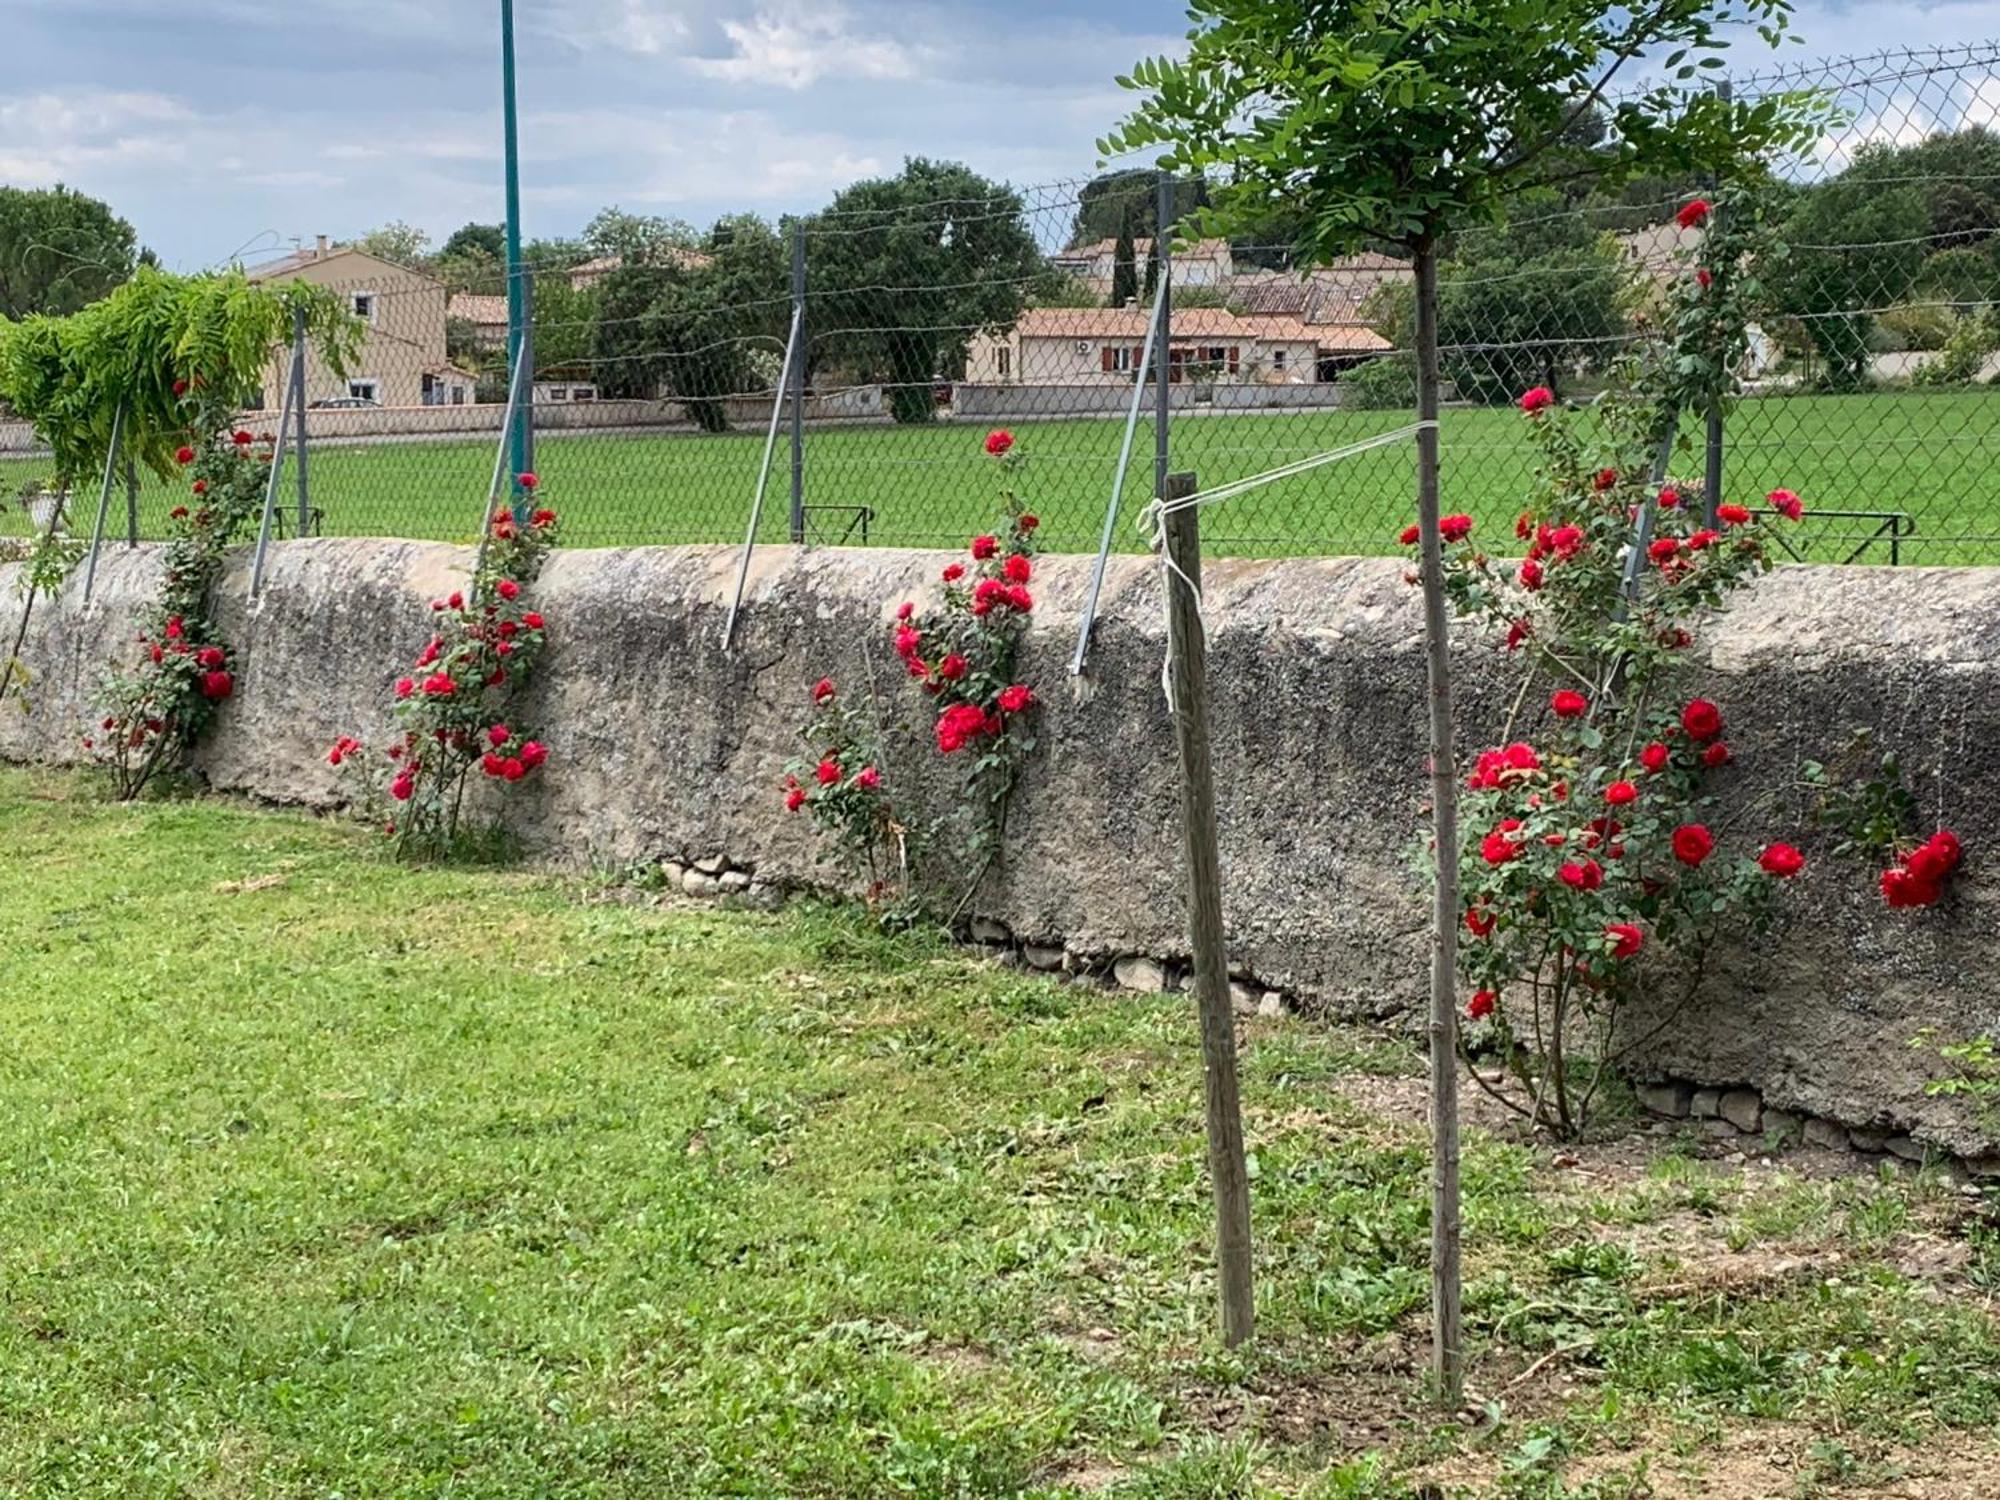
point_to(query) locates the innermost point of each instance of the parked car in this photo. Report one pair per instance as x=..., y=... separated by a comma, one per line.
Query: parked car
x=344, y=403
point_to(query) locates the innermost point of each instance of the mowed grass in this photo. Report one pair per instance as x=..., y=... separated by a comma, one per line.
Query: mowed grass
x=1933, y=456
x=321, y=1175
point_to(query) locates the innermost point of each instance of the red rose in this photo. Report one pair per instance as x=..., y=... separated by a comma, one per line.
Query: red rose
x=498, y=735
x=1538, y=399
x=1669, y=497
x=953, y=572
x=1480, y=1006
x=1702, y=278
x=1020, y=599
x=456, y=601
x=795, y=798
x=1900, y=888
x=868, y=778
x=1017, y=569
x=405, y=687
x=1946, y=843
x=1522, y=757
x=178, y=513
x=401, y=788
x=532, y=620
x=512, y=769
x=1455, y=528
x=1702, y=720
x=1665, y=550
x=997, y=443
x=1715, y=755
x=508, y=630
x=240, y=438
x=1497, y=848
x=180, y=387
x=1703, y=538
x=210, y=657
x=440, y=685
x=527, y=481
x=533, y=753
x=1518, y=632
x=1567, y=541
x=907, y=641
x=1028, y=521
x=1606, y=479
x=1781, y=860
x=1016, y=698
x=1693, y=843
x=822, y=690
x=958, y=726
x=200, y=487
x=506, y=588
x=1928, y=863
x=1655, y=757
x=1692, y=213
x=953, y=667
x=1581, y=874
x=1530, y=575
x=1626, y=939
x=1569, y=704
x=1409, y=535
x=492, y=763
x=183, y=454
x=217, y=685
x=1619, y=793
x=984, y=547
x=828, y=772
x=1786, y=504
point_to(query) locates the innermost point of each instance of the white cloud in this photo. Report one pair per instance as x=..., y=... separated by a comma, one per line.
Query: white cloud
x=48, y=136
x=793, y=47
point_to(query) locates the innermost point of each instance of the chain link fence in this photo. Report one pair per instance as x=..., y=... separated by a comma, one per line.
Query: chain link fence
x=666, y=381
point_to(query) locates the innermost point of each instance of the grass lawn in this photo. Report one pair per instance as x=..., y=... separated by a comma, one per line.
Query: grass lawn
x=1932, y=455
x=324, y=1176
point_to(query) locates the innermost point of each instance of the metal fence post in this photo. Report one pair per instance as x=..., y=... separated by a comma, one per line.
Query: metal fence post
x=1711, y=481
x=525, y=413
x=299, y=416
x=796, y=391
x=104, y=500
x=1163, y=218
x=131, y=502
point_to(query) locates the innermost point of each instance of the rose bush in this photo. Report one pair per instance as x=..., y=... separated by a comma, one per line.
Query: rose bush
x=1596, y=876
x=451, y=707
x=963, y=656
x=154, y=710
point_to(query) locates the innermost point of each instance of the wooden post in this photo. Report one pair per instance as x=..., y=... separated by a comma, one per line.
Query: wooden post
x=1227, y=1175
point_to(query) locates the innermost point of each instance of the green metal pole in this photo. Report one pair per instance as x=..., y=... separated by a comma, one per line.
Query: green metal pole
x=518, y=346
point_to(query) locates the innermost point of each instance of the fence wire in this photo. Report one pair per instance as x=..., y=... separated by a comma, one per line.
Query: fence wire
x=1868, y=388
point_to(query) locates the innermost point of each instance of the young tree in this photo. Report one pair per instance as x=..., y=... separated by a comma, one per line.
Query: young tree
x=906, y=269
x=1124, y=265
x=1400, y=123
x=59, y=249
x=488, y=240
x=405, y=244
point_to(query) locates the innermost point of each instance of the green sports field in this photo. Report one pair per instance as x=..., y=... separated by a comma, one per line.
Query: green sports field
x=1929, y=456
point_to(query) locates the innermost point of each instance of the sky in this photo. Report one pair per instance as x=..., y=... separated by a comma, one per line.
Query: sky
x=232, y=128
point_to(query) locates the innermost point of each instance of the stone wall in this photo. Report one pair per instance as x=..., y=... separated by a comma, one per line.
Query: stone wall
x=666, y=747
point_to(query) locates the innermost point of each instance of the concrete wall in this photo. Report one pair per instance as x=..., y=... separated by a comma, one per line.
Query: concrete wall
x=664, y=746
x=1005, y=402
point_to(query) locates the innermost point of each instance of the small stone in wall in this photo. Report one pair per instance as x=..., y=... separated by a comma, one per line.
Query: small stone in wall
x=695, y=883
x=1868, y=1140
x=763, y=896
x=1782, y=1125
x=1271, y=1006
x=1670, y=1099
x=1907, y=1148
x=672, y=871
x=1827, y=1135
x=1042, y=956
x=715, y=864
x=1705, y=1104
x=1742, y=1108
x=1140, y=974
x=991, y=930
x=732, y=882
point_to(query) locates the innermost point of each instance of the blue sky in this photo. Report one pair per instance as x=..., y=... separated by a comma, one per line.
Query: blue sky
x=221, y=127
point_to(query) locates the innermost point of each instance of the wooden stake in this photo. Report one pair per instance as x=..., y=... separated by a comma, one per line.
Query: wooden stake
x=1227, y=1175
x=1447, y=1317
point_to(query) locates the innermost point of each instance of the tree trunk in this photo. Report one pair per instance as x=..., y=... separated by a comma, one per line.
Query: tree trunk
x=1447, y=1344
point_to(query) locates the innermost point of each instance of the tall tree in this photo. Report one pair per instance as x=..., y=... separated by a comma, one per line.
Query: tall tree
x=906, y=269
x=696, y=331
x=1403, y=123
x=59, y=249
x=1124, y=265
x=489, y=240
x=637, y=237
x=405, y=244
x=1103, y=202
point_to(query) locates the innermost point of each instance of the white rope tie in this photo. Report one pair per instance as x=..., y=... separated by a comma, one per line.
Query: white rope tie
x=1152, y=523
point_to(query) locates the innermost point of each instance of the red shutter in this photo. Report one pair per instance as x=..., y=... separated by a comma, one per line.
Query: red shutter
x=1234, y=363
x=1105, y=359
